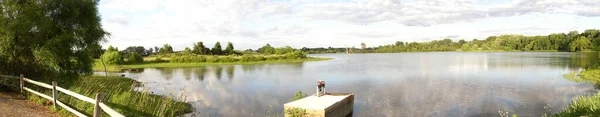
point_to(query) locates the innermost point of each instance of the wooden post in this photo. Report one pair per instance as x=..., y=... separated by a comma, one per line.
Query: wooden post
x=22, y=83
x=97, y=109
x=54, y=94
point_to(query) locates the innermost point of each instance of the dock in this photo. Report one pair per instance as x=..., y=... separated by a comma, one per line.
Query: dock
x=327, y=105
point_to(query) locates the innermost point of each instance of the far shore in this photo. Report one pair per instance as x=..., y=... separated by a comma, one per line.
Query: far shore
x=98, y=67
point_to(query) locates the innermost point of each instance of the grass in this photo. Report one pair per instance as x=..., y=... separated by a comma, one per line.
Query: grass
x=151, y=64
x=582, y=105
x=119, y=95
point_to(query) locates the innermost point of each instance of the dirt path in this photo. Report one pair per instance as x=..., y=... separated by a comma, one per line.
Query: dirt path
x=14, y=105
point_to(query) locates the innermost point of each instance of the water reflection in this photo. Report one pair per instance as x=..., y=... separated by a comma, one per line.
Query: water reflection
x=401, y=84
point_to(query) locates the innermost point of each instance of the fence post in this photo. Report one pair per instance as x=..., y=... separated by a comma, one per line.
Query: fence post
x=97, y=109
x=54, y=94
x=22, y=83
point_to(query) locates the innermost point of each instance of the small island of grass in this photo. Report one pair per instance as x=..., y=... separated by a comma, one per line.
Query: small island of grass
x=114, y=60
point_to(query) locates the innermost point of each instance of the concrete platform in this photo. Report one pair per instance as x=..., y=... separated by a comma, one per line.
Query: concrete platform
x=330, y=105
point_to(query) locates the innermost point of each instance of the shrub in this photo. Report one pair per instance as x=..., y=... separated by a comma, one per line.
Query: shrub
x=272, y=58
x=158, y=60
x=112, y=58
x=296, y=55
x=212, y=59
x=227, y=59
x=198, y=59
x=247, y=58
x=259, y=58
x=135, y=57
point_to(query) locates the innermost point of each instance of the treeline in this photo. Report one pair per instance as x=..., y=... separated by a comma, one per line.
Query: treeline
x=572, y=41
x=198, y=53
x=265, y=53
x=588, y=40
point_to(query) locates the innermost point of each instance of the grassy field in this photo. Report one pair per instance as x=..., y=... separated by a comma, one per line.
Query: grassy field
x=118, y=94
x=149, y=63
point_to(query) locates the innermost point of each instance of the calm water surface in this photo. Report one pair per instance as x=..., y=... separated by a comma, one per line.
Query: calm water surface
x=400, y=84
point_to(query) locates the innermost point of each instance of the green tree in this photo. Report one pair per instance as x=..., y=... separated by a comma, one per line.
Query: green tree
x=267, y=49
x=199, y=48
x=216, y=50
x=111, y=49
x=48, y=37
x=112, y=58
x=187, y=50
x=135, y=57
x=580, y=44
x=139, y=49
x=166, y=49
x=284, y=50
x=229, y=48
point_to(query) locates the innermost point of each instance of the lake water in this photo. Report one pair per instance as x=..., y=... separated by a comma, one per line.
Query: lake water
x=400, y=84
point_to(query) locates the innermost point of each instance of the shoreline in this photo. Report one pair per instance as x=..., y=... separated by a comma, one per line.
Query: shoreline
x=98, y=67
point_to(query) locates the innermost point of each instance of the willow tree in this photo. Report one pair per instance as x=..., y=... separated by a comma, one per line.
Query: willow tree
x=48, y=37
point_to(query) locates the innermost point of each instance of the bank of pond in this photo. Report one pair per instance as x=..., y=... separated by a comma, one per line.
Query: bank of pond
x=193, y=60
x=120, y=93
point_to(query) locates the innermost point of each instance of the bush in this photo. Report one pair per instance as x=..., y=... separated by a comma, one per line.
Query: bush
x=227, y=59
x=259, y=58
x=247, y=58
x=158, y=60
x=212, y=59
x=112, y=58
x=198, y=59
x=134, y=57
x=272, y=58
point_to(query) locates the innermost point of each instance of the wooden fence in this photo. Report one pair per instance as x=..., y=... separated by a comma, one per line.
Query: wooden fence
x=98, y=108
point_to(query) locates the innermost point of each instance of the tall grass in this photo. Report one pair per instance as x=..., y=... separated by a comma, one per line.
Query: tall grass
x=583, y=105
x=119, y=95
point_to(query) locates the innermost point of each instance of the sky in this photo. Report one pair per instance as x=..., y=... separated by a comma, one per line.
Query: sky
x=250, y=24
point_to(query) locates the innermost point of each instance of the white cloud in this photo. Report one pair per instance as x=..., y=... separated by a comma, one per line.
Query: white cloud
x=298, y=23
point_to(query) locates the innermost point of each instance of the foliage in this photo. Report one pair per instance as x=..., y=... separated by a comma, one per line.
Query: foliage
x=267, y=49
x=582, y=43
x=199, y=48
x=216, y=50
x=40, y=38
x=112, y=58
x=119, y=95
x=158, y=60
x=588, y=76
x=229, y=49
x=299, y=95
x=166, y=49
x=111, y=49
x=284, y=50
x=572, y=41
x=582, y=106
x=248, y=58
x=138, y=49
x=295, y=55
x=134, y=58
x=296, y=112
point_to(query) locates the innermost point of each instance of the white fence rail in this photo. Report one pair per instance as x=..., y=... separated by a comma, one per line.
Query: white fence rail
x=98, y=108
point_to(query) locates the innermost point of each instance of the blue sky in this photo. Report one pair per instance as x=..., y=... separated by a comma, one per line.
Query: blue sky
x=336, y=23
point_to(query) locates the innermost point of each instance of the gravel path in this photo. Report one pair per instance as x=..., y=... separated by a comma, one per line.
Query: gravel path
x=14, y=105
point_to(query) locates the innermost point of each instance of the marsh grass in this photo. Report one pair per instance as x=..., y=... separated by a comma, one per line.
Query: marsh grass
x=119, y=95
x=583, y=105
